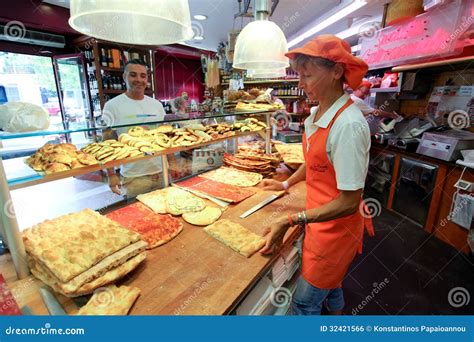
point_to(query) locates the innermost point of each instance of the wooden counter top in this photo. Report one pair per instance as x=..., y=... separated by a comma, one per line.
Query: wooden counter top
x=193, y=274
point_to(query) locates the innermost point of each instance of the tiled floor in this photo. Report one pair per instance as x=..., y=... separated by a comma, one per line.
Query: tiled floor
x=405, y=271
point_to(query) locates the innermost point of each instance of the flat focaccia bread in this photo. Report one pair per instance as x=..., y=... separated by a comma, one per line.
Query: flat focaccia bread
x=291, y=153
x=233, y=177
x=204, y=217
x=111, y=300
x=105, y=279
x=155, y=200
x=172, y=201
x=236, y=237
x=71, y=244
x=108, y=263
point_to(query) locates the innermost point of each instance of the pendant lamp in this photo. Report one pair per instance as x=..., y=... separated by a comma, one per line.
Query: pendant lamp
x=261, y=45
x=141, y=22
x=268, y=73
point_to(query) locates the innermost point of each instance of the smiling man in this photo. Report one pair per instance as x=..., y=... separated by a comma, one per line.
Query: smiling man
x=134, y=107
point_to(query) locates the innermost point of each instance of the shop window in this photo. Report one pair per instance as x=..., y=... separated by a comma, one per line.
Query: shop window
x=31, y=79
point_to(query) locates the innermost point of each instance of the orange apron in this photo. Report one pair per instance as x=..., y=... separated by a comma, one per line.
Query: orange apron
x=329, y=247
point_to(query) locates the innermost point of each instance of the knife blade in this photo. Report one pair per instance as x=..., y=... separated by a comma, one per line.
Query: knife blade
x=52, y=304
x=262, y=204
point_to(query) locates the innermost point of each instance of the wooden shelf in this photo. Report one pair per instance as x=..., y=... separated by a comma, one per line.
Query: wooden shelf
x=290, y=96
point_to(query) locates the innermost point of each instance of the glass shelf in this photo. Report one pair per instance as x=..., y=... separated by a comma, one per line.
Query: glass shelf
x=20, y=175
x=76, y=128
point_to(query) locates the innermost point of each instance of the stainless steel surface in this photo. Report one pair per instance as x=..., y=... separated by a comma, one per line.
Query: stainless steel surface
x=379, y=176
x=414, y=189
x=446, y=145
x=52, y=304
x=259, y=206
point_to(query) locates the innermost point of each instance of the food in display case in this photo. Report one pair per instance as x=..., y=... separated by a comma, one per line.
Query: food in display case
x=204, y=217
x=291, y=153
x=172, y=201
x=235, y=236
x=111, y=300
x=240, y=162
x=233, y=177
x=155, y=229
x=222, y=191
x=249, y=107
x=53, y=158
x=79, y=252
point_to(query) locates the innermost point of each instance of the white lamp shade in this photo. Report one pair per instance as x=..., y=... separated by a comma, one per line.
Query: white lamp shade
x=270, y=73
x=261, y=45
x=142, y=22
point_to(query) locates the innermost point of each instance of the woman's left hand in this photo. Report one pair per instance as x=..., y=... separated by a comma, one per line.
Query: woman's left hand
x=274, y=236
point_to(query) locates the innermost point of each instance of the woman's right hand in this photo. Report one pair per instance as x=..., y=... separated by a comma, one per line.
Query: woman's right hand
x=271, y=184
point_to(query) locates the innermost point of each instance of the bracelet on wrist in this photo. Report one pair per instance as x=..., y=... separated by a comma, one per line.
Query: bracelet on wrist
x=290, y=220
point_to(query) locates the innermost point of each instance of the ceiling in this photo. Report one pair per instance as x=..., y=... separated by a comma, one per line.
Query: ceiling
x=293, y=16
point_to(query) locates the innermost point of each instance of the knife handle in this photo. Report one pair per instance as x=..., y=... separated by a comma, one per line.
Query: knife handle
x=279, y=193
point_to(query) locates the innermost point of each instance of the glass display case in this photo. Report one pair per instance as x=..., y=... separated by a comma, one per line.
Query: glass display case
x=29, y=197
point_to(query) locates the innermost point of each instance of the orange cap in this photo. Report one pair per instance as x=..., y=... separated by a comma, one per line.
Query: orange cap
x=336, y=50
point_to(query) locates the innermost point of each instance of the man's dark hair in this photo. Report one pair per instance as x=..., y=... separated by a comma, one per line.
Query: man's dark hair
x=136, y=62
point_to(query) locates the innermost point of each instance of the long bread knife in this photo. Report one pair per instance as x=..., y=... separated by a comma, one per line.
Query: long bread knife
x=262, y=204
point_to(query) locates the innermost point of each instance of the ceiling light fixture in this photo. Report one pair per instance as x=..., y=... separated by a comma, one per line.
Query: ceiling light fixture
x=354, y=6
x=198, y=38
x=261, y=45
x=200, y=17
x=139, y=22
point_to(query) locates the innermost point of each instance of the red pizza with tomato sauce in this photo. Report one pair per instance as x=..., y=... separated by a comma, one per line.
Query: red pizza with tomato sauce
x=155, y=229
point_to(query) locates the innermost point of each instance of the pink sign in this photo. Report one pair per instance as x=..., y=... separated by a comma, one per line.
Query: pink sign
x=431, y=35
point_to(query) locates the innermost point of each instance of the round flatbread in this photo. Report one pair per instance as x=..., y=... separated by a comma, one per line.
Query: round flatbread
x=205, y=217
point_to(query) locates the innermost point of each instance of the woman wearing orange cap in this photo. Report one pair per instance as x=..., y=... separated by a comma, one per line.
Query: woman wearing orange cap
x=336, y=146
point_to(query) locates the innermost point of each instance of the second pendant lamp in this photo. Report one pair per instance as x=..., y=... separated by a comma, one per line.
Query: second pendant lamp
x=261, y=45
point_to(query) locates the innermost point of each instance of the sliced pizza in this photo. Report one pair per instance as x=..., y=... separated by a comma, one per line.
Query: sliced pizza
x=233, y=177
x=155, y=229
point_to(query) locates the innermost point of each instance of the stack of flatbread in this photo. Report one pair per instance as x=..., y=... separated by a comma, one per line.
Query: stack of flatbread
x=258, y=165
x=77, y=253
